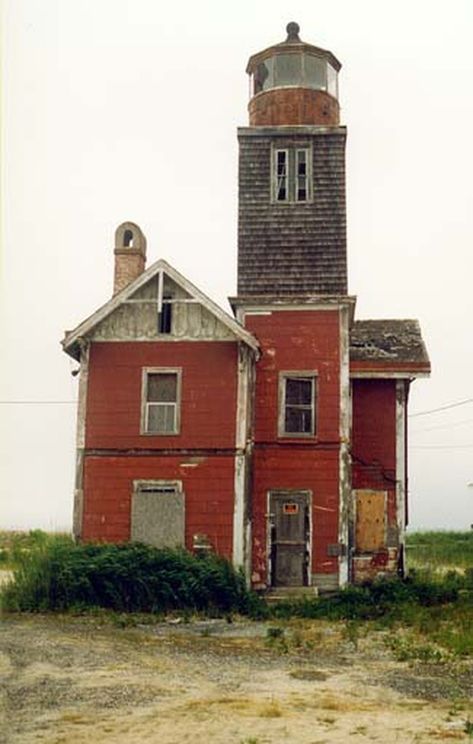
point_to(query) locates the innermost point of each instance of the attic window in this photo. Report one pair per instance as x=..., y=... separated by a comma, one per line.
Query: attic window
x=128, y=239
x=165, y=316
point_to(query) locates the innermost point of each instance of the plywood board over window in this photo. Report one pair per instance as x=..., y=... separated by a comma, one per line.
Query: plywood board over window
x=158, y=513
x=370, y=523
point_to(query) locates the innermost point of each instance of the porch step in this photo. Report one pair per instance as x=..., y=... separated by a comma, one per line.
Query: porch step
x=284, y=593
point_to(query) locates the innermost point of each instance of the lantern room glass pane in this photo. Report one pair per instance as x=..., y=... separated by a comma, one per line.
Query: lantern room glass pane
x=332, y=81
x=315, y=72
x=263, y=76
x=288, y=69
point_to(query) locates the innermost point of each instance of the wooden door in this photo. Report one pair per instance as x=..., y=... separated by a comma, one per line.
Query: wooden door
x=290, y=536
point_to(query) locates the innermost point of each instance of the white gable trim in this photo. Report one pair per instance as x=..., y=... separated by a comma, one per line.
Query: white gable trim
x=160, y=267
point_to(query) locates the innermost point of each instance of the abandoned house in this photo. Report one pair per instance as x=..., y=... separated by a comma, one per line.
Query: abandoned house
x=276, y=437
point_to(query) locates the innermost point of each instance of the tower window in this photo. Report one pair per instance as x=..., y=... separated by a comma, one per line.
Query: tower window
x=302, y=184
x=291, y=175
x=281, y=175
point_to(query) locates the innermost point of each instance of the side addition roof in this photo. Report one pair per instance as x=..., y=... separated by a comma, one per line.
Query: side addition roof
x=388, y=348
x=72, y=339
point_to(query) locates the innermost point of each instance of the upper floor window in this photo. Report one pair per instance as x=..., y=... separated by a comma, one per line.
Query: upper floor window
x=297, y=396
x=161, y=401
x=291, y=171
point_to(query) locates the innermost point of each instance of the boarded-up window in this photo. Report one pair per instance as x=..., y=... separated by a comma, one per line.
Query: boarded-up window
x=370, y=520
x=157, y=514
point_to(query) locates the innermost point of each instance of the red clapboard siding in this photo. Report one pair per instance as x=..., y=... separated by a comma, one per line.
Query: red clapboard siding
x=296, y=469
x=297, y=340
x=208, y=485
x=291, y=341
x=374, y=438
x=208, y=399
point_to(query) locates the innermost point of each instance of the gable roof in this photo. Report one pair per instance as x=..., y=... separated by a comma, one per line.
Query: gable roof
x=72, y=339
x=390, y=344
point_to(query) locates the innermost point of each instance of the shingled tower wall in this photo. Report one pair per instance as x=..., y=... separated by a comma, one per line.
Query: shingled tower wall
x=292, y=242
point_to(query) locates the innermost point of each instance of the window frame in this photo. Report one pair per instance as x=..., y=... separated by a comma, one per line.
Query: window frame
x=146, y=371
x=292, y=177
x=294, y=375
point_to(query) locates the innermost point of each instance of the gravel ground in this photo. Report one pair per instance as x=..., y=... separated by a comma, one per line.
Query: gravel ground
x=74, y=680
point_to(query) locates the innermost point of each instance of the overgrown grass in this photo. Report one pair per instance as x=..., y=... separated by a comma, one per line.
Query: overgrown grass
x=14, y=544
x=440, y=550
x=429, y=615
x=60, y=575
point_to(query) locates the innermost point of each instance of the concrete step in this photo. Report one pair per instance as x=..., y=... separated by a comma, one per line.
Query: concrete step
x=284, y=593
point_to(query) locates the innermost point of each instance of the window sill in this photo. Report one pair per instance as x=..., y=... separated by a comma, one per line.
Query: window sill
x=159, y=433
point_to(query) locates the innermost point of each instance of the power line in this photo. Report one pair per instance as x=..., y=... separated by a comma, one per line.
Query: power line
x=442, y=408
x=453, y=425
x=35, y=402
x=441, y=446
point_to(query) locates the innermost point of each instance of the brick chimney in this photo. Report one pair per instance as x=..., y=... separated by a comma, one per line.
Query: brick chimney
x=130, y=255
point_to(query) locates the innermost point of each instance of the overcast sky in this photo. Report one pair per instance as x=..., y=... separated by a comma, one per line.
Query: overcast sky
x=117, y=110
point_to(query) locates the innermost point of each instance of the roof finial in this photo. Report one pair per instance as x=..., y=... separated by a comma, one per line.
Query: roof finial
x=293, y=29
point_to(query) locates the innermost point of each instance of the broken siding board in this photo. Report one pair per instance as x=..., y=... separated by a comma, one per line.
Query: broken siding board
x=370, y=522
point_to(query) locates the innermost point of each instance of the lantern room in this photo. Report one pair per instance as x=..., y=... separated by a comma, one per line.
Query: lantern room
x=293, y=83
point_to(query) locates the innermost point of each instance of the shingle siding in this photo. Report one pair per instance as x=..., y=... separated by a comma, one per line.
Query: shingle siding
x=292, y=248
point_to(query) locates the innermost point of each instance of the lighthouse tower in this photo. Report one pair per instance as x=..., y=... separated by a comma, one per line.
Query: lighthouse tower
x=292, y=295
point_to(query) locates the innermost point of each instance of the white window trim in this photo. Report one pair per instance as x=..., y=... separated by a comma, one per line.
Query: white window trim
x=291, y=177
x=144, y=401
x=294, y=374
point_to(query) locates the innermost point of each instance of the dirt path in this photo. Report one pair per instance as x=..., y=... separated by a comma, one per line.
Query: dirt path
x=82, y=680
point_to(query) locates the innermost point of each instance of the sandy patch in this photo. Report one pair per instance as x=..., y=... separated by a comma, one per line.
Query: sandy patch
x=77, y=681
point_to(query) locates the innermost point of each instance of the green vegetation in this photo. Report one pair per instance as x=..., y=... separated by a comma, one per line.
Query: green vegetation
x=427, y=616
x=13, y=545
x=440, y=550
x=60, y=575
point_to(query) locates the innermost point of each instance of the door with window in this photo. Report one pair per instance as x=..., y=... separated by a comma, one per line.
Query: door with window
x=290, y=538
